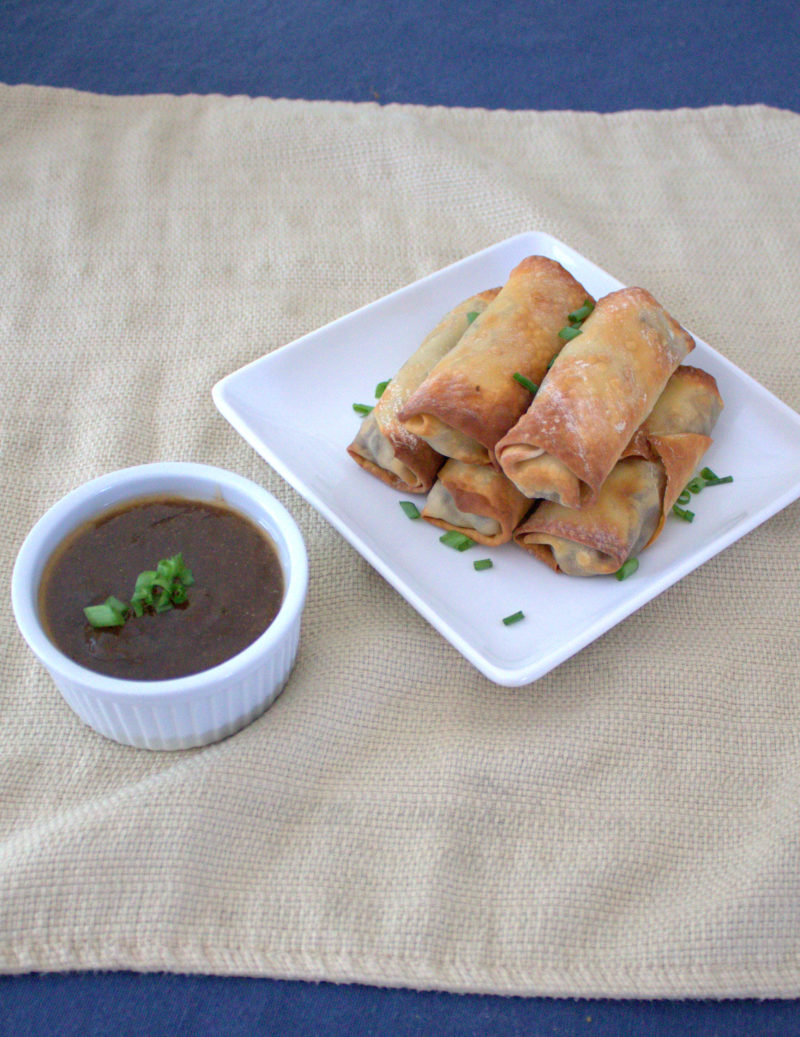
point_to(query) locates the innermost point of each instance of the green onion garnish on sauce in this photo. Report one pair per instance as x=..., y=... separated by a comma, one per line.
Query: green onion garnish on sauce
x=380, y=388
x=526, y=383
x=362, y=408
x=482, y=563
x=569, y=332
x=163, y=587
x=111, y=613
x=458, y=541
x=158, y=589
x=515, y=617
x=627, y=569
x=410, y=508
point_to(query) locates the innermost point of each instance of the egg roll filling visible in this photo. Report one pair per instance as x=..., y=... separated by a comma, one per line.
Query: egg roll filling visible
x=476, y=500
x=440, y=505
x=383, y=446
x=371, y=444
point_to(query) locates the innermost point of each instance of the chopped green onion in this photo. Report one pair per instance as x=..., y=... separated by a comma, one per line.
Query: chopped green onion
x=362, y=408
x=683, y=513
x=577, y=316
x=551, y=361
x=684, y=497
x=714, y=480
x=526, y=383
x=569, y=333
x=627, y=569
x=159, y=589
x=410, y=508
x=695, y=485
x=482, y=563
x=162, y=587
x=380, y=388
x=458, y=541
x=515, y=617
x=472, y=315
x=111, y=613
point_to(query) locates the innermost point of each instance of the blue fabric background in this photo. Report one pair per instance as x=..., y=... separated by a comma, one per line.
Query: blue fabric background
x=595, y=55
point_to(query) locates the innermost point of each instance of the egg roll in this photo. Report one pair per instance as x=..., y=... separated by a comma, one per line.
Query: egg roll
x=629, y=511
x=599, y=390
x=597, y=539
x=383, y=446
x=470, y=398
x=476, y=500
x=677, y=432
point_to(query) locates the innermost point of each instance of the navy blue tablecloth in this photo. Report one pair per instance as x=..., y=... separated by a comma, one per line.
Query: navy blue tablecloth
x=598, y=55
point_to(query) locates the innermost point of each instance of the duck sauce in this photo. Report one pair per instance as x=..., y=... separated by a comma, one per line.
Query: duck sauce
x=237, y=591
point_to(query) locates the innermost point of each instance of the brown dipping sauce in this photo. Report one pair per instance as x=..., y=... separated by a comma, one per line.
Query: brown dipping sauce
x=237, y=592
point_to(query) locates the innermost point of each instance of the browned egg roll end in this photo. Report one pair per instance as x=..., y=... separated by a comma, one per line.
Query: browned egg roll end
x=476, y=500
x=600, y=388
x=470, y=398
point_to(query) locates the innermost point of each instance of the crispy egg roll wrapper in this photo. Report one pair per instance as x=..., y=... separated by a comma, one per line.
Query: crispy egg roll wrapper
x=601, y=387
x=383, y=446
x=598, y=538
x=476, y=500
x=470, y=398
x=629, y=511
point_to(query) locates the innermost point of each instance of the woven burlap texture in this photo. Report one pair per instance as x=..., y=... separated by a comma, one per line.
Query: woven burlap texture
x=629, y=825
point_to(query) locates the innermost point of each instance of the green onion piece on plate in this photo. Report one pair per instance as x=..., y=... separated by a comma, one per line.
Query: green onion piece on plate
x=515, y=617
x=380, y=388
x=711, y=479
x=577, y=316
x=410, y=508
x=695, y=485
x=526, y=383
x=482, y=563
x=362, y=408
x=683, y=513
x=458, y=541
x=627, y=569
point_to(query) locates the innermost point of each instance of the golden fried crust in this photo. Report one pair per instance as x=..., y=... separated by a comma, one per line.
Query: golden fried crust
x=598, y=538
x=472, y=390
x=593, y=539
x=382, y=440
x=599, y=390
x=677, y=432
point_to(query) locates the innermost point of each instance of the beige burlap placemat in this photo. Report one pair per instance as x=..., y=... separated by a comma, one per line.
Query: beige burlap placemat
x=626, y=826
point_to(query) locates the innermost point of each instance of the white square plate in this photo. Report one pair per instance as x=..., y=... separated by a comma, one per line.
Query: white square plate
x=294, y=407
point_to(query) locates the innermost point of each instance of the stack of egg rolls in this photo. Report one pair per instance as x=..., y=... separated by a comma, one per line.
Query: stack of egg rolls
x=629, y=509
x=580, y=473
x=601, y=387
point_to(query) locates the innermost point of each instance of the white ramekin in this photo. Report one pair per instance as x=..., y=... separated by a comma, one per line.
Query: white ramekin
x=184, y=711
